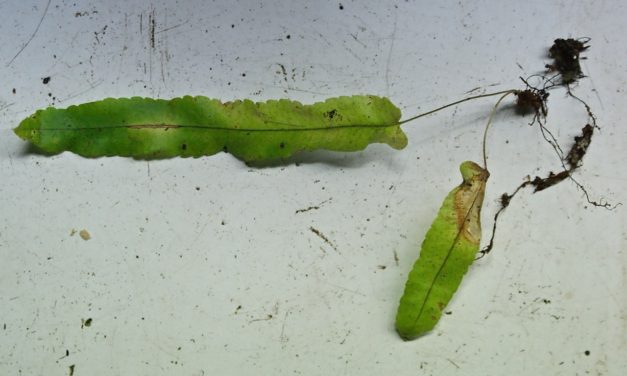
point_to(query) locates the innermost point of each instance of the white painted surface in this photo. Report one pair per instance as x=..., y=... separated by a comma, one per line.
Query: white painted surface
x=178, y=245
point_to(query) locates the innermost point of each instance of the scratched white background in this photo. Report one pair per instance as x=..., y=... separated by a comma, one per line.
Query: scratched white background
x=203, y=267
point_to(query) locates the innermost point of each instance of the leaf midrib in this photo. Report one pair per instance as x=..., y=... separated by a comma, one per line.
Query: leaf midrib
x=448, y=255
x=220, y=128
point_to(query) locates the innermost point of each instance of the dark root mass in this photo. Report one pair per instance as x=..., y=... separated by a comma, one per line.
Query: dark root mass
x=533, y=100
x=565, y=54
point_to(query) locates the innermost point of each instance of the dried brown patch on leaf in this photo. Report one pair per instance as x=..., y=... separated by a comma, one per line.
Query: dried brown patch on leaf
x=468, y=202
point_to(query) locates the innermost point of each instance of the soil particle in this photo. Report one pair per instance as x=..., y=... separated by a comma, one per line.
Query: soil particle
x=580, y=147
x=84, y=234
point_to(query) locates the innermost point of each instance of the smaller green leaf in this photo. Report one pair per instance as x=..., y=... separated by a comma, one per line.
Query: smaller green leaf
x=449, y=248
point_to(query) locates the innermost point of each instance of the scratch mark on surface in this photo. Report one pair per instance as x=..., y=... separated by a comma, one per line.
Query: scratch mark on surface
x=313, y=207
x=171, y=27
x=32, y=35
x=389, y=58
x=152, y=25
x=122, y=64
x=199, y=233
x=164, y=57
x=350, y=51
x=453, y=363
x=269, y=316
x=596, y=92
x=4, y=106
x=92, y=86
x=481, y=88
x=345, y=337
x=323, y=237
x=283, y=338
x=358, y=41
x=355, y=292
x=324, y=39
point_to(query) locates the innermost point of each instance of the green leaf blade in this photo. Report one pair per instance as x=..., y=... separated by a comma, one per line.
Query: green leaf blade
x=198, y=126
x=449, y=248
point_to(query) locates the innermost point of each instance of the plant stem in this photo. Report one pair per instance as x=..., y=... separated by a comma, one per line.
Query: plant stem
x=487, y=126
x=504, y=93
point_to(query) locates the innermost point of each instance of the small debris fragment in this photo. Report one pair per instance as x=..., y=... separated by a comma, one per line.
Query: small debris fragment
x=544, y=183
x=84, y=234
x=580, y=147
x=307, y=209
x=45, y=80
x=322, y=236
x=313, y=207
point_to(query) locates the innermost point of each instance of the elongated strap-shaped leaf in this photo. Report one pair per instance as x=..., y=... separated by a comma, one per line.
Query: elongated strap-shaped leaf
x=197, y=126
x=450, y=246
